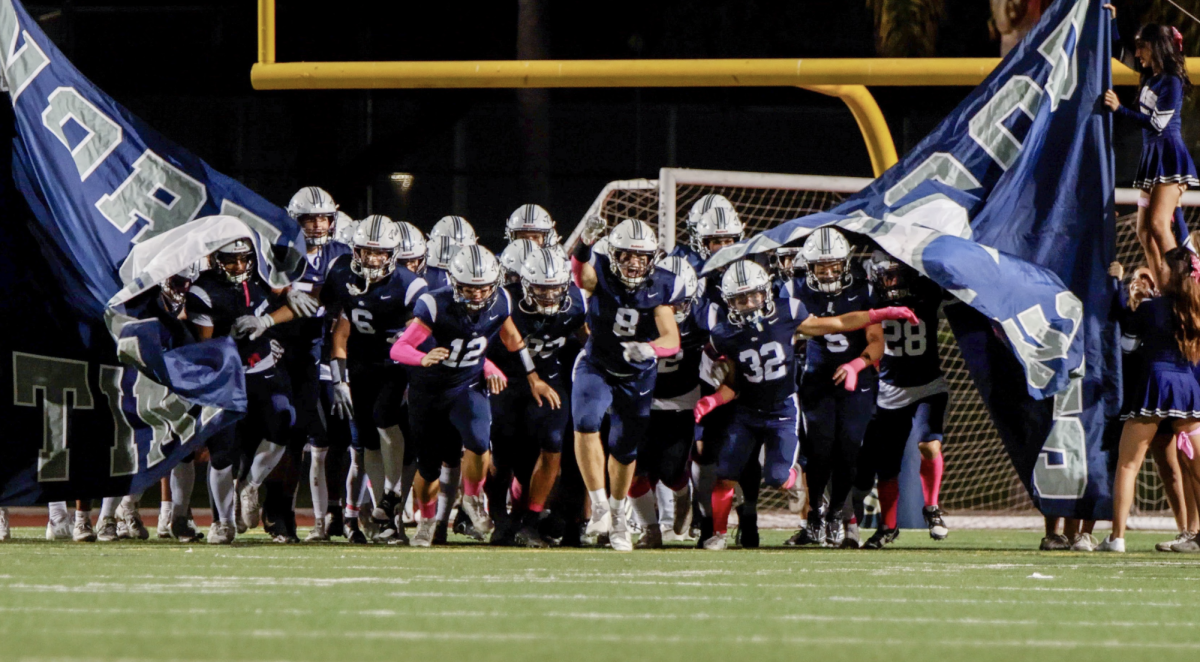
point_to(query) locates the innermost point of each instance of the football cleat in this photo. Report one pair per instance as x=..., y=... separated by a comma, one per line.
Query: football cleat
x=937, y=526
x=852, y=538
x=1111, y=544
x=812, y=533
x=385, y=530
x=1189, y=546
x=441, y=533
x=598, y=526
x=317, y=532
x=106, y=529
x=882, y=537
x=401, y=537
x=182, y=530
x=354, y=535
x=1167, y=545
x=716, y=543
x=221, y=533
x=835, y=531
x=166, y=513
x=5, y=532
x=1055, y=542
x=619, y=540
x=131, y=520
x=424, y=535
x=652, y=538
x=335, y=523
x=528, y=535
x=478, y=513
x=251, y=506
x=83, y=532
x=1084, y=542
x=464, y=527
x=58, y=530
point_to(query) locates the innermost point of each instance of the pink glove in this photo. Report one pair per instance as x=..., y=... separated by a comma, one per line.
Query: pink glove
x=852, y=368
x=707, y=404
x=1184, y=443
x=877, y=315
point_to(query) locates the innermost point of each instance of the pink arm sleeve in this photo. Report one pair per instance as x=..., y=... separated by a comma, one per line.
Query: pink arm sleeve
x=664, y=352
x=405, y=350
x=490, y=370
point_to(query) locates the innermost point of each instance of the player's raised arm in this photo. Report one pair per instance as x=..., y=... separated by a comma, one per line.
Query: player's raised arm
x=859, y=319
x=581, y=258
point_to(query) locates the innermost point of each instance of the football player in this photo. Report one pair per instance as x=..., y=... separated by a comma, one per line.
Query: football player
x=373, y=301
x=527, y=437
x=441, y=251
x=702, y=206
x=632, y=324
x=448, y=406
x=913, y=395
x=456, y=228
x=757, y=335
x=835, y=418
x=531, y=222
x=232, y=300
x=663, y=458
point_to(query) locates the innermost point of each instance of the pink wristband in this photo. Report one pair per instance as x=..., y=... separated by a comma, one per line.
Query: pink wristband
x=858, y=364
x=664, y=352
x=490, y=370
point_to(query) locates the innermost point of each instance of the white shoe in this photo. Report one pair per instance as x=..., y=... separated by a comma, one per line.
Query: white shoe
x=5, y=533
x=317, y=532
x=716, y=543
x=1111, y=544
x=473, y=505
x=166, y=513
x=1167, y=545
x=106, y=529
x=1084, y=542
x=618, y=538
x=60, y=530
x=598, y=526
x=82, y=531
x=424, y=535
x=131, y=521
x=221, y=533
x=251, y=508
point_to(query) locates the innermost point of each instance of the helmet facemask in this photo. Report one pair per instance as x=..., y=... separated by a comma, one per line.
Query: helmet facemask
x=373, y=264
x=545, y=299
x=235, y=266
x=318, y=228
x=893, y=280
x=783, y=263
x=828, y=276
x=631, y=267
x=539, y=237
x=750, y=307
x=475, y=298
x=415, y=265
x=173, y=292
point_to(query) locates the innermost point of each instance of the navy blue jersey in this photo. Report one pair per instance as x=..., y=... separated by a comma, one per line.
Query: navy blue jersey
x=215, y=302
x=320, y=265
x=688, y=253
x=1160, y=107
x=437, y=278
x=617, y=314
x=679, y=375
x=766, y=363
x=826, y=353
x=910, y=353
x=1153, y=324
x=376, y=316
x=545, y=336
x=467, y=336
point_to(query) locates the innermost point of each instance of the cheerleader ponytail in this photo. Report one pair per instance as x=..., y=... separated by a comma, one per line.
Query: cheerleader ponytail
x=1166, y=51
x=1184, y=290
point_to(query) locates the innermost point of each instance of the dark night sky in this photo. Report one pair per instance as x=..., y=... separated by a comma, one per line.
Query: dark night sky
x=184, y=68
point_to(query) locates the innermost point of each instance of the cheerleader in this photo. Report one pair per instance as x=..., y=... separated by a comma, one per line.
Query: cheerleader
x=1168, y=328
x=1166, y=169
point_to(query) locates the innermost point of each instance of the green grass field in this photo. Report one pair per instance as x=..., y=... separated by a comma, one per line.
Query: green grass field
x=981, y=595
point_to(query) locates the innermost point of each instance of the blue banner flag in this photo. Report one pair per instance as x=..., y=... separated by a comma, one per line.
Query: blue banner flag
x=1008, y=205
x=103, y=403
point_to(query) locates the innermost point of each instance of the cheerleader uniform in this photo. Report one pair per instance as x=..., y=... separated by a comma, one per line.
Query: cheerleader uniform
x=1165, y=159
x=1167, y=386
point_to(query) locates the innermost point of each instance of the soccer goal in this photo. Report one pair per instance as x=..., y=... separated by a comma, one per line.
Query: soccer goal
x=979, y=479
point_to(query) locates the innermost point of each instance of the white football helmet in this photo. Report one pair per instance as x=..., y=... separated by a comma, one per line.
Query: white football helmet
x=890, y=277
x=313, y=201
x=632, y=247
x=783, y=262
x=411, y=247
x=343, y=229
x=716, y=223
x=229, y=258
x=513, y=256
x=375, y=242
x=704, y=205
x=441, y=251
x=826, y=253
x=474, y=266
x=744, y=278
x=455, y=227
x=174, y=289
x=531, y=220
x=546, y=283
x=691, y=284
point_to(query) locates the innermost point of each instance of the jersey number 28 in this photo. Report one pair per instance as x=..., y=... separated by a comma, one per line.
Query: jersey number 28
x=903, y=339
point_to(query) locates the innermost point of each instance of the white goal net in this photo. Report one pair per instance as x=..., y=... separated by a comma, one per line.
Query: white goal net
x=979, y=479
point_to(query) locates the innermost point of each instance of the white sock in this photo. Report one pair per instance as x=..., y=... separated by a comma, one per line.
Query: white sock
x=391, y=444
x=58, y=510
x=183, y=480
x=617, y=506
x=220, y=483
x=81, y=516
x=108, y=507
x=374, y=466
x=599, y=503
x=317, y=483
x=163, y=509
x=706, y=477
x=130, y=502
x=265, y=458
x=447, y=491
x=666, y=504
x=645, y=508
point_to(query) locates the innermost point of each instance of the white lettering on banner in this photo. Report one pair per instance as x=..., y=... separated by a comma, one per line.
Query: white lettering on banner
x=165, y=413
x=124, y=454
x=20, y=64
x=157, y=192
x=1061, y=471
x=103, y=134
x=987, y=126
x=1064, y=74
x=55, y=378
x=940, y=167
x=1051, y=343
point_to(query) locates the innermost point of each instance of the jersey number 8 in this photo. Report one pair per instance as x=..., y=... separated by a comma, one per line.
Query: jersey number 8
x=626, y=324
